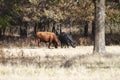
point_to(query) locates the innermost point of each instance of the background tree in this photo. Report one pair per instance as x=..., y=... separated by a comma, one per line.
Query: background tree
x=99, y=44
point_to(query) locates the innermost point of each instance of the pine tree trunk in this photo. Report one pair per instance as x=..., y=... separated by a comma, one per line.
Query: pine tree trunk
x=99, y=44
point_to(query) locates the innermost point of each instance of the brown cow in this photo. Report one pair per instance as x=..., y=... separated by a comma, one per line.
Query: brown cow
x=47, y=37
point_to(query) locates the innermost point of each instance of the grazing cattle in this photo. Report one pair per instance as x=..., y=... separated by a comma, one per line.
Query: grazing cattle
x=48, y=37
x=66, y=40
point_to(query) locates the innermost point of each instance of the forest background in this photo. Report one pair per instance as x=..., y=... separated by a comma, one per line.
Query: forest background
x=20, y=19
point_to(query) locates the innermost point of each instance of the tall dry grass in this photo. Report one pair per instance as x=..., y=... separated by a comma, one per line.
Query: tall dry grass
x=75, y=73
x=59, y=64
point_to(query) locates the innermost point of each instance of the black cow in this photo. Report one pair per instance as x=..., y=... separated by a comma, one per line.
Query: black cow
x=66, y=40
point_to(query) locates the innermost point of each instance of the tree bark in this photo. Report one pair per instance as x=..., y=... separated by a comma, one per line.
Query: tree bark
x=99, y=43
x=93, y=29
x=31, y=30
x=86, y=29
x=0, y=32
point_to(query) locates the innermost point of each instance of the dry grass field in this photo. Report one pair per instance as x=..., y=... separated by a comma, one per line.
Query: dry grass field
x=59, y=64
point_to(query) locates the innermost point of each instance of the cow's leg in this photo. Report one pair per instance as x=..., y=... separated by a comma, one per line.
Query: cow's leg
x=38, y=42
x=67, y=45
x=55, y=44
x=50, y=41
x=61, y=45
x=49, y=45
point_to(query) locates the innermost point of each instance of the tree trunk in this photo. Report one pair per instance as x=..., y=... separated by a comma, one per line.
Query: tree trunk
x=35, y=28
x=31, y=30
x=93, y=29
x=0, y=32
x=23, y=32
x=86, y=29
x=99, y=44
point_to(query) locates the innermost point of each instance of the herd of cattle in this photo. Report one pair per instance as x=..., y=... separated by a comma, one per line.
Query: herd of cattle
x=62, y=39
